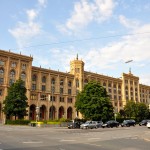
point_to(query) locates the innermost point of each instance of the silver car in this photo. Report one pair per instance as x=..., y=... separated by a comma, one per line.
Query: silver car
x=88, y=125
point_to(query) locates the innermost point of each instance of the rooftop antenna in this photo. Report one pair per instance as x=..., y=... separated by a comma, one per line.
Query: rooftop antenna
x=77, y=57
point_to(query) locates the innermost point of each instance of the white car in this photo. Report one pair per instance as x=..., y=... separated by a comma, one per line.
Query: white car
x=148, y=124
x=89, y=125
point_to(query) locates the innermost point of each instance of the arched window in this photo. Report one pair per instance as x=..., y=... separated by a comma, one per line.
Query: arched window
x=61, y=82
x=69, y=84
x=34, y=77
x=109, y=85
x=77, y=82
x=104, y=84
x=12, y=77
x=12, y=74
x=53, y=81
x=23, y=76
x=1, y=75
x=43, y=79
x=119, y=87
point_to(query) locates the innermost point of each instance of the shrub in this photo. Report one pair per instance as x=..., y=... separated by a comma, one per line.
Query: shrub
x=17, y=122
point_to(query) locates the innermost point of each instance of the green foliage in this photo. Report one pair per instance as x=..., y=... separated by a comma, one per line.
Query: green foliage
x=15, y=103
x=139, y=111
x=142, y=111
x=94, y=103
x=130, y=109
x=17, y=122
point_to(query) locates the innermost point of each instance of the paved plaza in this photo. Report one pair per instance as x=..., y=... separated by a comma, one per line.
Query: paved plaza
x=61, y=138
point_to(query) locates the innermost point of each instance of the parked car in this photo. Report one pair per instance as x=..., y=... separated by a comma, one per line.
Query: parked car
x=89, y=125
x=144, y=122
x=148, y=124
x=128, y=123
x=74, y=125
x=110, y=124
x=99, y=124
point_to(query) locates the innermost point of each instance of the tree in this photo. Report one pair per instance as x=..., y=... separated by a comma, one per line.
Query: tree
x=15, y=103
x=138, y=110
x=94, y=103
x=122, y=113
x=130, y=109
x=142, y=111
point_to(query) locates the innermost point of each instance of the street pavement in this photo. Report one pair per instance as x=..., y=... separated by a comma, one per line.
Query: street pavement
x=61, y=138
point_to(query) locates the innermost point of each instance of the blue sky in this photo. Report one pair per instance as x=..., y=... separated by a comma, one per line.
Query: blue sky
x=104, y=33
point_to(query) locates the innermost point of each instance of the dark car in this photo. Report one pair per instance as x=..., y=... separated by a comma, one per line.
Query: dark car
x=110, y=124
x=144, y=122
x=74, y=125
x=99, y=124
x=128, y=123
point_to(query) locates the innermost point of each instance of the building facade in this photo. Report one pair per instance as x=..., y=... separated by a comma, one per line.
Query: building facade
x=53, y=93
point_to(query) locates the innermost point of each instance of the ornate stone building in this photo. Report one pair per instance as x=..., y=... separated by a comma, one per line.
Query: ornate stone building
x=54, y=92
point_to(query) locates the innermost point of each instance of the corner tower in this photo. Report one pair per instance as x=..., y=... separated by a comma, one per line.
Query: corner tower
x=77, y=69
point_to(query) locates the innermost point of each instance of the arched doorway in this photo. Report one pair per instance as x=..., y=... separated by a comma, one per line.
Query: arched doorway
x=32, y=115
x=69, y=113
x=52, y=111
x=43, y=112
x=61, y=112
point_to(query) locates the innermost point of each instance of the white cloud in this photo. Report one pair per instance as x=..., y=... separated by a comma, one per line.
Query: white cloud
x=42, y=2
x=128, y=23
x=25, y=31
x=85, y=12
x=32, y=14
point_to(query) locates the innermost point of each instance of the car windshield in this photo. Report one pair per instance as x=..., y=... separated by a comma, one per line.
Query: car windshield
x=87, y=122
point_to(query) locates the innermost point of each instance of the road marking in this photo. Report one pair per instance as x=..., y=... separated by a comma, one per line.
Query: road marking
x=67, y=140
x=92, y=144
x=32, y=142
x=94, y=138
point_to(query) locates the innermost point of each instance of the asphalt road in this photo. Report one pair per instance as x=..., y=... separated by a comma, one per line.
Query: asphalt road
x=47, y=138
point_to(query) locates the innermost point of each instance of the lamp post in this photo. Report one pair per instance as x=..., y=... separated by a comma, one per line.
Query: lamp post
x=37, y=113
x=38, y=107
x=129, y=61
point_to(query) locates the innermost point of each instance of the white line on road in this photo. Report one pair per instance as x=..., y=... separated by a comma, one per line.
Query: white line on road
x=67, y=140
x=31, y=142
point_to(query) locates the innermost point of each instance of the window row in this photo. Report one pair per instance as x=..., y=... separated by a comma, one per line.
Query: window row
x=43, y=88
x=43, y=79
x=52, y=98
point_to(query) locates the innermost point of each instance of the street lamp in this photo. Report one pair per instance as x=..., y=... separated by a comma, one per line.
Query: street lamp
x=38, y=107
x=129, y=61
x=37, y=113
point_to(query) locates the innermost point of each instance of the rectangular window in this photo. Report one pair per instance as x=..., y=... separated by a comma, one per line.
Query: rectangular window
x=1, y=92
x=53, y=98
x=1, y=80
x=1, y=63
x=33, y=86
x=43, y=88
x=61, y=99
x=61, y=90
x=69, y=100
x=11, y=81
x=43, y=97
x=33, y=97
x=69, y=91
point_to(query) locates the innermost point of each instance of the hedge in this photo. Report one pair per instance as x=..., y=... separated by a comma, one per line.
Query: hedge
x=17, y=122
